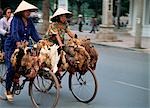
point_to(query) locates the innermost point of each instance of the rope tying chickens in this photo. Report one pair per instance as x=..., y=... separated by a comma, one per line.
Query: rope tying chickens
x=76, y=55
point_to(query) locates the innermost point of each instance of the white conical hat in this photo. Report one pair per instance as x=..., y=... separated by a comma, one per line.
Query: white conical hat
x=80, y=15
x=25, y=6
x=60, y=11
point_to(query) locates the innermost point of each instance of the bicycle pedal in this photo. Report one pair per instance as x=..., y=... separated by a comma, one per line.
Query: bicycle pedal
x=17, y=92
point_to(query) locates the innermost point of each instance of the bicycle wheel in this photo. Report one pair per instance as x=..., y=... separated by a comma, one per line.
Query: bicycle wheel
x=83, y=86
x=2, y=81
x=39, y=90
x=42, y=82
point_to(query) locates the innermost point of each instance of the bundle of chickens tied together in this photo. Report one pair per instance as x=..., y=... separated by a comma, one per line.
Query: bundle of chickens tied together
x=1, y=57
x=76, y=55
x=83, y=53
x=28, y=60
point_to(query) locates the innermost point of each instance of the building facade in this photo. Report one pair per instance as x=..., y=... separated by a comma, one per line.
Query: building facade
x=145, y=19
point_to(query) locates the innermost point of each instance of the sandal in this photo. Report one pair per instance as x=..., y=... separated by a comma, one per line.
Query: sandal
x=9, y=97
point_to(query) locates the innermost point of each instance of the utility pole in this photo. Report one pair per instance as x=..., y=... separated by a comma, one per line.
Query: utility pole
x=139, y=23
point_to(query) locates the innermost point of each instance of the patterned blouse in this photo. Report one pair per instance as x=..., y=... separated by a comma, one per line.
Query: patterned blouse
x=57, y=28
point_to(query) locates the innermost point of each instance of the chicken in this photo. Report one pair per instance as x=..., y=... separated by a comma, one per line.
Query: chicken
x=80, y=54
x=92, y=52
x=1, y=56
x=54, y=57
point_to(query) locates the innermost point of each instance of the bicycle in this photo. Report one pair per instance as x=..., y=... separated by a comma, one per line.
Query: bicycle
x=82, y=86
x=44, y=74
x=78, y=82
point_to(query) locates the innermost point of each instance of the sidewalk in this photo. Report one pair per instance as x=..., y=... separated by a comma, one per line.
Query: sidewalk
x=127, y=41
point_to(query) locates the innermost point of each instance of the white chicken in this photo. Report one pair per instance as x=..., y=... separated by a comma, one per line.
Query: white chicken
x=54, y=57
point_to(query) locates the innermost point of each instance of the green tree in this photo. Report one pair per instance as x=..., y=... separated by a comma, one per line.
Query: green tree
x=81, y=5
x=14, y=3
x=96, y=6
x=10, y=3
x=124, y=7
x=0, y=3
x=71, y=3
x=78, y=4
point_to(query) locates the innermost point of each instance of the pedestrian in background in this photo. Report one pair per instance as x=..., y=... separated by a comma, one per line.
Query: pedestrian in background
x=5, y=25
x=94, y=25
x=80, y=22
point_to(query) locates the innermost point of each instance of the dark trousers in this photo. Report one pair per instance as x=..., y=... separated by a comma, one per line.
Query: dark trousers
x=93, y=29
x=10, y=71
x=80, y=27
x=3, y=38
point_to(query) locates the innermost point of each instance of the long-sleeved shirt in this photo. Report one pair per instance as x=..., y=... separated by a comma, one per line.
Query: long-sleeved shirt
x=57, y=28
x=20, y=32
x=5, y=25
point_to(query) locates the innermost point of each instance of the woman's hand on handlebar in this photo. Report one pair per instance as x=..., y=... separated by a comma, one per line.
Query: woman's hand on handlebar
x=18, y=44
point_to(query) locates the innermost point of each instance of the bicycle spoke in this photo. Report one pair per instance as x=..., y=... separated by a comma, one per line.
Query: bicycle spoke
x=44, y=97
x=83, y=87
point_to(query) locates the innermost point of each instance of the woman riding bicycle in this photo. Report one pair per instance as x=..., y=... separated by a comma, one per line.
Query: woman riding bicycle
x=21, y=29
x=59, y=27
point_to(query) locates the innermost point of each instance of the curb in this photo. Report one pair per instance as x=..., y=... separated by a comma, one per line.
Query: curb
x=114, y=46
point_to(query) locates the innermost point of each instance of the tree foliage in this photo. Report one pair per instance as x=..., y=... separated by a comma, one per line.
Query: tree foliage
x=96, y=6
x=85, y=7
x=78, y=4
x=14, y=3
x=124, y=7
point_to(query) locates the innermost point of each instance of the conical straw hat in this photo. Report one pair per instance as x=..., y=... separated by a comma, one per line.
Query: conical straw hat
x=61, y=11
x=80, y=15
x=25, y=6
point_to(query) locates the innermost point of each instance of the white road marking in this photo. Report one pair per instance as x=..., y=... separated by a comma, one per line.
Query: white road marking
x=132, y=85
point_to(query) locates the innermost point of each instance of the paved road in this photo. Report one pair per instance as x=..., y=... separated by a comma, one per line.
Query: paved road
x=122, y=79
